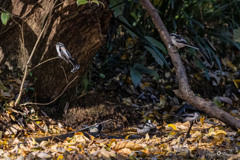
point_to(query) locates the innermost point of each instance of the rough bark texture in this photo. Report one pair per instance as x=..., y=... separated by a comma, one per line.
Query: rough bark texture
x=184, y=91
x=82, y=29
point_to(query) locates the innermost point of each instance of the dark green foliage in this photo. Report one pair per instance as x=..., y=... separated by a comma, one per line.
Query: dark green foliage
x=211, y=25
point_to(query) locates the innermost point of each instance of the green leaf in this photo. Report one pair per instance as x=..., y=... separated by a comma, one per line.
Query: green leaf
x=155, y=56
x=156, y=51
x=145, y=70
x=117, y=6
x=102, y=75
x=156, y=43
x=198, y=23
x=5, y=17
x=31, y=88
x=136, y=76
x=128, y=27
x=81, y=2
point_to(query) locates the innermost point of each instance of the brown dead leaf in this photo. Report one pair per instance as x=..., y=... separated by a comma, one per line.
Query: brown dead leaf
x=125, y=151
x=127, y=144
x=196, y=136
x=107, y=154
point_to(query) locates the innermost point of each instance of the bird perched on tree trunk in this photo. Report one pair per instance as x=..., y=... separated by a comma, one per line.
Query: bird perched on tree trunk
x=65, y=55
x=179, y=42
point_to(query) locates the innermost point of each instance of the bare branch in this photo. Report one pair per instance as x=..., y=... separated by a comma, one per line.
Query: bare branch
x=184, y=91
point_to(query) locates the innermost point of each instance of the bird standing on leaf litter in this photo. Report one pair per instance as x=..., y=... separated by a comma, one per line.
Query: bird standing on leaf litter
x=191, y=117
x=65, y=55
x=179, y=42
x=94, y=129
x=145, y=128
x=97, y=128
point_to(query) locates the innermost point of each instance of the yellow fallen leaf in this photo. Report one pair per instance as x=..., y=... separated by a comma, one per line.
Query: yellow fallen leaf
x=211, y=130
x=236, y=82
x=230, y=65
x=202, y=120
x=172, y=126
x=172, y=133
x=221, y=132
x=79, y=133
x=126, y=138
x=60, y=157
x=196, y=136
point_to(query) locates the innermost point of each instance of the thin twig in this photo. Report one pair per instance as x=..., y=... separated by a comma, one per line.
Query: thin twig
x=50, y=59
x=45, y=104
x=29, y=59
x=26, y=66
x=64, y=74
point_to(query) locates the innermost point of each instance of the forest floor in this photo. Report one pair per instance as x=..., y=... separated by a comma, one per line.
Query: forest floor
x=110, y=98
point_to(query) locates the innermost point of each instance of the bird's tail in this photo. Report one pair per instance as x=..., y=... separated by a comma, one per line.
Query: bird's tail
x=192, y=46
x=76, y=66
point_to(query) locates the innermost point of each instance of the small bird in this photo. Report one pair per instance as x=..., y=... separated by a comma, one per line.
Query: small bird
x=189, y=116
x=179, y=42
x=186, y=108
x=65, y=55
x=188, y=113
x=96, y=128
x=145, y=128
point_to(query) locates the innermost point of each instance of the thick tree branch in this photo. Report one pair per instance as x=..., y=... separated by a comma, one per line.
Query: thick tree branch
x=184, y=91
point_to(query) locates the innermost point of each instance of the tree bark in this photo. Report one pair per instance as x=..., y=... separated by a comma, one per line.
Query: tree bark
x=184, y=92
x=82, y=29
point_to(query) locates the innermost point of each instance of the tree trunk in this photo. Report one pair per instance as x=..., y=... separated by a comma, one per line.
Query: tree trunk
x=82, y=29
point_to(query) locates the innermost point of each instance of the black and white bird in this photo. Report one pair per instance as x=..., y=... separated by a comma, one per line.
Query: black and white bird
x=94, y=129
x=179, y=42
x=188, y=113
x=189, y=116
x=65, y=55
x=146, y=128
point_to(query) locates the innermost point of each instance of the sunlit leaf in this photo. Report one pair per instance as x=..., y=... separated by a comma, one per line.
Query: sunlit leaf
x=172, y=126
x=5, y=17
x=202, y=120
x=128, y=144
x=221, y=132
x=126, y=138
x=81, y=2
